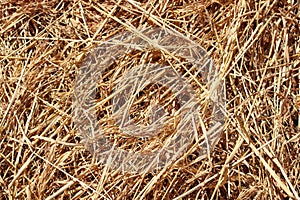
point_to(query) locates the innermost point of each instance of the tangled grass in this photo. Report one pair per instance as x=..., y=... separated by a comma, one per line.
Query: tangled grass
x=254, y=44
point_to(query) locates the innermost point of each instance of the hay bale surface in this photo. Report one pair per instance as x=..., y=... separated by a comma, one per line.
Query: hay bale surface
x=255, y=46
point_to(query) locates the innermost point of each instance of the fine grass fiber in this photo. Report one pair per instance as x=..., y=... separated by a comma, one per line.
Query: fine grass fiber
x=255, y=45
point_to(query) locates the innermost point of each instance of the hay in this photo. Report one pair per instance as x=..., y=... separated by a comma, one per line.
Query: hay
x=255, y=46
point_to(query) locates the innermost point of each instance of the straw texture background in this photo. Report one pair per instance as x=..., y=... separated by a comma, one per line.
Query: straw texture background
x=254, y=44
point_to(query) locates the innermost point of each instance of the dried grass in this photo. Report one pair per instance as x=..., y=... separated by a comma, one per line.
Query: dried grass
x=256, y=47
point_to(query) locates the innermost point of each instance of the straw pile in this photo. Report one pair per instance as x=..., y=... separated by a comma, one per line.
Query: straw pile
x=255, y=46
